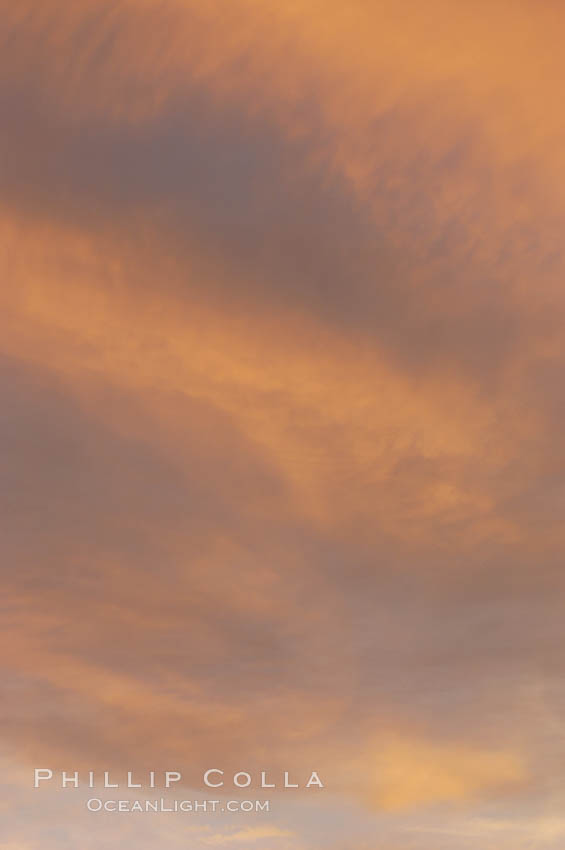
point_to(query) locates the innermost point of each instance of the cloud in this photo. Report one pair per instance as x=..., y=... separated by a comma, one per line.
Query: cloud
x=251, y=834
x=281, y=378
x=417, y=773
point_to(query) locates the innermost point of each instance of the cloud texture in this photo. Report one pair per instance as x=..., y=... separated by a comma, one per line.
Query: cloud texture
x=281, y=365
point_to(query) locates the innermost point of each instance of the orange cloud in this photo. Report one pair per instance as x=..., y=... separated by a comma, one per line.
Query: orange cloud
x=281, y=373
x=413, y=773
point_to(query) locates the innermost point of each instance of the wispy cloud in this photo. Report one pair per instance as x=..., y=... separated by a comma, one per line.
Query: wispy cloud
x=281, y=372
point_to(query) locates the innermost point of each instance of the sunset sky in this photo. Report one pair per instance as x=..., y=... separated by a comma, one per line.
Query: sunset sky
x=282, y=417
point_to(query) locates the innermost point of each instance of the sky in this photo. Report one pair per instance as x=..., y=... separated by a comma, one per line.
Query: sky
x=281, y=413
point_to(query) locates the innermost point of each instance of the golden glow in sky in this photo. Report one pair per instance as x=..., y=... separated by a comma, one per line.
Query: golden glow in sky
x=281, y=375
